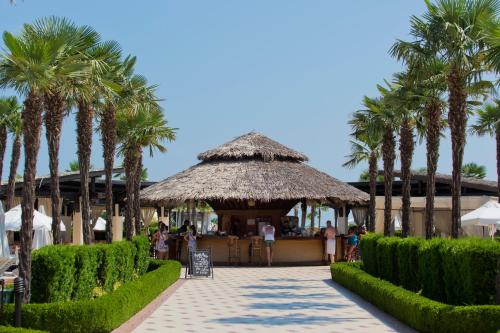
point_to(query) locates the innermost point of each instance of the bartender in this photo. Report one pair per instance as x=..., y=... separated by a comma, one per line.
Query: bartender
x=285, y=228
x=235, y=228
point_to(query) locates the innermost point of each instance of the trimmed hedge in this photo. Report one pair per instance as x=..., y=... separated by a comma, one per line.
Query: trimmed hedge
x=10, y=329
x=63, y=273
x=417, y=311
x=102, y=314
x=444, y=270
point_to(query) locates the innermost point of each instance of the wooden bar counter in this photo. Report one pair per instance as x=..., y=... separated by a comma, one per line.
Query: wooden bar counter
x=287, y=250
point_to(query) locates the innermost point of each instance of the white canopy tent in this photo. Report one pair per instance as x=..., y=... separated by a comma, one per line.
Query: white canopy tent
x=100, y=225
x=4, y=250
x=486, y=215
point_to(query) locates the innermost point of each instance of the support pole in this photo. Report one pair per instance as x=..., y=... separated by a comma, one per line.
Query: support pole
x=117, y=224
x=18, y=295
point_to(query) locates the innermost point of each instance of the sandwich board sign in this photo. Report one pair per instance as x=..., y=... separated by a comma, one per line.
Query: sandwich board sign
x=200, y=263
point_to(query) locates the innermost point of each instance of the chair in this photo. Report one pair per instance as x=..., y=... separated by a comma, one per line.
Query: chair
x=234, y=249
x=256, y=246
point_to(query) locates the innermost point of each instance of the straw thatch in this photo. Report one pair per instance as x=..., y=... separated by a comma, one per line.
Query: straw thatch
x=260, y=173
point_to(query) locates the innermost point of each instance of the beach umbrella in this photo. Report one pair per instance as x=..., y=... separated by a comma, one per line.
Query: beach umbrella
x=487, y=215
x=4, y=243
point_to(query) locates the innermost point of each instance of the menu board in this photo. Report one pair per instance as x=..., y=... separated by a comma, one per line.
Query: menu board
x=200, y=263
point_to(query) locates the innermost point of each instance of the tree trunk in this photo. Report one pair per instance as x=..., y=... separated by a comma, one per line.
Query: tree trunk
x=32, y=123
x=3, y=146
x=457, y=119
x=14, y=163
x=54, y=114
x=108, y=137
x=433, y=131
x=303, y=206
x=373, y=191
x=137, y=189
x=406, y=147
x=388, y=154
x=313, y=215
x=84, y=138
x=129, y=164
x=498, y=162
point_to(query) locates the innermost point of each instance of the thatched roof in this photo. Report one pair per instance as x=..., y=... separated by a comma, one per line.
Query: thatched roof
x=250, y=146
x=252, y=172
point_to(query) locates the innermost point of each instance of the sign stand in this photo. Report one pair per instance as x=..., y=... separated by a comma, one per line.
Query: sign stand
x=199, y=264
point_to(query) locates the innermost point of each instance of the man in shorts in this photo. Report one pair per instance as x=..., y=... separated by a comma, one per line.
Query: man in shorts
x=330, y=241
x=268, y=231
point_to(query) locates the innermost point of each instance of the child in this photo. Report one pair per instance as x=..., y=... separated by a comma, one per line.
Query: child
x=352, y=243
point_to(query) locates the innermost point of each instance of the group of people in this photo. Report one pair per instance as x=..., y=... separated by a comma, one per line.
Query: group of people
x=353, y=237
x=160, y=239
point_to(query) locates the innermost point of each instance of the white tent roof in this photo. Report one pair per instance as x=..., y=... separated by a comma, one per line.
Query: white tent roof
x=40, y=221
x=100, y=224
x=487, y=214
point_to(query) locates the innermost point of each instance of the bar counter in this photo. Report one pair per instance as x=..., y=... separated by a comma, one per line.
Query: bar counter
x=287, y=250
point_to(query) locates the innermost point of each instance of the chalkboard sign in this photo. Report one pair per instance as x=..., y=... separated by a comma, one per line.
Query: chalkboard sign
x=200, y=263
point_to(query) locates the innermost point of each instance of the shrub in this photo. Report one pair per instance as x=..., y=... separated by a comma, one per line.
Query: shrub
x=419, y=312
x=62, y=272
x=407, y=256
x=368, y=247
x=102, y=314
x=387, y=259
x=10, y=329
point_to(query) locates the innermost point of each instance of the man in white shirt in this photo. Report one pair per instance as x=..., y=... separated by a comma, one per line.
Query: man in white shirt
x=330, y=241
x=268, y=231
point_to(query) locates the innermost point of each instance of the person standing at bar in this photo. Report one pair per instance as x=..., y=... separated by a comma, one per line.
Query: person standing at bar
x=330, y=241
x=268, y=231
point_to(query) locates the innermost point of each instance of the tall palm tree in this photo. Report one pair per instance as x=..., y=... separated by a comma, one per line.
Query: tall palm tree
x=15, y=127
x=144, y=128
x=488, y=123
x=457, y=34
x=8, y=106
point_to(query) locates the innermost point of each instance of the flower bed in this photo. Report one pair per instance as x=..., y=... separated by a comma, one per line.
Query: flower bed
x=419, y=312
x=102, y=314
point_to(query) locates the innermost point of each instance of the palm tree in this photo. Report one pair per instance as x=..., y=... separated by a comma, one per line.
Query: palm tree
x=488, y=123
x=457, y=34
x=144, y=128
x=15, y=127
x=8, y=106
x=473, y=170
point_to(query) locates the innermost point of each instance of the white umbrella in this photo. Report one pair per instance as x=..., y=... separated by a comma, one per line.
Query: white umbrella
x=486, y=215
x=4, y=243
x=100, y=225
x=13, y=220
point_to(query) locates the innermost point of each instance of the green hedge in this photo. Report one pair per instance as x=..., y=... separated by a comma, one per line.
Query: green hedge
x=9, y=329
x=417, y=311
x=62, y=272
x=102, y=314
x=444, y=270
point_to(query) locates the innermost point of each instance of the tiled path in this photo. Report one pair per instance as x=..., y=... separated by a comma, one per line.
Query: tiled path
x=281, y=299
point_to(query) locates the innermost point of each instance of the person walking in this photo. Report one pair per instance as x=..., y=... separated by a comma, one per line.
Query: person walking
x=160, y=241
x=330, y=241
x=268, y=231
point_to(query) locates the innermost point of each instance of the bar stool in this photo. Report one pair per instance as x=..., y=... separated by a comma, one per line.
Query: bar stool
x=256, y=247
x=234, y=249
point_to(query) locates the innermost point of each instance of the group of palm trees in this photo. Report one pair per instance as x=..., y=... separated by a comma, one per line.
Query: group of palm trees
x=453, y=46
x=57, y=67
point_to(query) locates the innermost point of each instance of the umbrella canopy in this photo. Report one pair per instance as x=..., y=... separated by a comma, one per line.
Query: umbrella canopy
x=4, y=243
x=13, y=220
x=487, y=214
x=100, y=225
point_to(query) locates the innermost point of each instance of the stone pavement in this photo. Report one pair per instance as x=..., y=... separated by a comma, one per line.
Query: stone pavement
x=261, y=299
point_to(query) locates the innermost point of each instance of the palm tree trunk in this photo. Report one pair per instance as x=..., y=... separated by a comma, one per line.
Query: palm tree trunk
x=84, y=138
x=137, y=189
x=406, y=147
x=32, y=123
x=457, y=119
x=433, y=131
x=108, y=137
x=498, y=161
x=3, y=146
x=388, y=153
x=129, y=184
x=54, y=114
x=373, y=191
x=313, y=215
x=14, y=163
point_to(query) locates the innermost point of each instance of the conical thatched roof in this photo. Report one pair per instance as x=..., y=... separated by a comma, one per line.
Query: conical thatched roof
x=254, y=167
x=252, y=146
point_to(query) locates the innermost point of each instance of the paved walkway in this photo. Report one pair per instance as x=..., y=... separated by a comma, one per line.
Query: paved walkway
x=278, y=299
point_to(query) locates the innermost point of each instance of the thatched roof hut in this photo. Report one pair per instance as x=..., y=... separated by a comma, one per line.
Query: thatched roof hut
x=252, y=167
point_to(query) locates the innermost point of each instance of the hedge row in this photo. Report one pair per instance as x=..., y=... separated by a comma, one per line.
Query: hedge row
x=10, y=329
x=444, y=270
x=62, y=272
x=102, y=314
x=419, y=312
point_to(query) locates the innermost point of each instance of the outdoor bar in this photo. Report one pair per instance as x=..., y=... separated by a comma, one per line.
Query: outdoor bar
x=249, y=182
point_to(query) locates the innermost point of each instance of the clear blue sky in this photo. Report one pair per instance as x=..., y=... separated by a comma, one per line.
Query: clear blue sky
x=293, y=70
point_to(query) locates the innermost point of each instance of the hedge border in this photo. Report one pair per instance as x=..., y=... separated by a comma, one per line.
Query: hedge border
x=104, y=313
x=10, y=329
x=418, y=312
